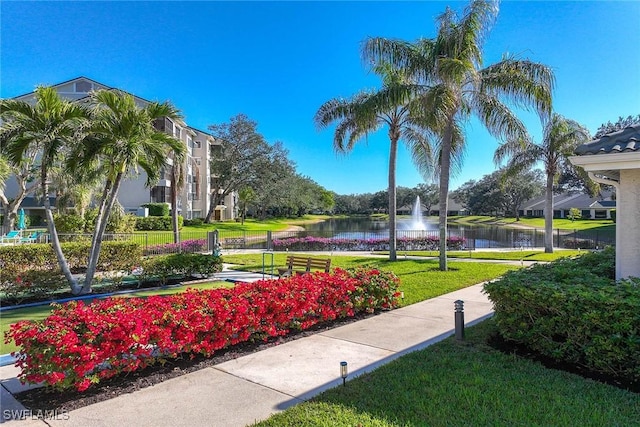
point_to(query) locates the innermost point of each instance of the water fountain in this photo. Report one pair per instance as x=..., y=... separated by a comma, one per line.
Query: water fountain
x=417, y=222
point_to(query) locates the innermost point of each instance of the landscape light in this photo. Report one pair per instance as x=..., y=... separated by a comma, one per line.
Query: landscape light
x=344, y=371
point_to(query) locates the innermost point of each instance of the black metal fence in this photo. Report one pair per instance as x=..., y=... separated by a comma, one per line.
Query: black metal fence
x=155, y=243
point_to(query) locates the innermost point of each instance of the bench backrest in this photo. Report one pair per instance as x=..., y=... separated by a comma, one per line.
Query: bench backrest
x=308, y=263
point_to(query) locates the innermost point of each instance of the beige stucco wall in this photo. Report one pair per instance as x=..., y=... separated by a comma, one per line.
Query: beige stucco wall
x=628, y=225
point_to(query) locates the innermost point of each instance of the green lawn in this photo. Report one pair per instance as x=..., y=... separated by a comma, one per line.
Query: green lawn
x=465, y=384
x=420, y=279
x=498, y=255
x=605, y=225
x=38, y=313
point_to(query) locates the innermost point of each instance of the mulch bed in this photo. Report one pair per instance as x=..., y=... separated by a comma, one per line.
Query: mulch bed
x=44, y=399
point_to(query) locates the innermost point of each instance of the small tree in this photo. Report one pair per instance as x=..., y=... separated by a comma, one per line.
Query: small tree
x=574, y=213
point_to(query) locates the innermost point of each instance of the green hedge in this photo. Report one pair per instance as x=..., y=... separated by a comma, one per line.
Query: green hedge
x=182, y=265
x=573, y=310
x=115, y=255
x=157, y=209
x=159, y=223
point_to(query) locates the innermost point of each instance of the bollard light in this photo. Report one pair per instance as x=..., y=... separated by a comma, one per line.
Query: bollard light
x=459, y=319
x=344, y=372
x=401, y=294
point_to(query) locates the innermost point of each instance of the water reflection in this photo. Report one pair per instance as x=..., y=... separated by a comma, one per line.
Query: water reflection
x=480, y=236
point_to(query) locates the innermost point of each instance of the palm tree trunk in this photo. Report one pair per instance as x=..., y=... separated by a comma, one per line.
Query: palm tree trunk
x=392, y=193
x=445, y=167
x=101, y=225
x=548, y=216
x=174, y=213
x=55, y=242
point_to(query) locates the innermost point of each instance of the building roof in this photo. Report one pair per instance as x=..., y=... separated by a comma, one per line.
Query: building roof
x=622, y=141
x=567, y=201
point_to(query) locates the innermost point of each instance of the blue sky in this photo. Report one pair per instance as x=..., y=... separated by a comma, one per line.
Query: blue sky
x=278, y=62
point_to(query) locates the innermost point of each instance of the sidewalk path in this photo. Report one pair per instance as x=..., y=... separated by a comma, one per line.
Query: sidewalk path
x=251, y=388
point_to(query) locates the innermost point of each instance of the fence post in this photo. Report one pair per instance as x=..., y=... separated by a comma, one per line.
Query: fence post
x=557, y=237
x=269, y=240
x=575, y=238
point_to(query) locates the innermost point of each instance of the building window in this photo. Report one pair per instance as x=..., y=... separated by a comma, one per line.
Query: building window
x=197, y=144
x=600, y=214
x=83, y=86
x=177, y=132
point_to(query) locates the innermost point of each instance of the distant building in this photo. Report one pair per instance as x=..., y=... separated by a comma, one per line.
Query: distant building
x=194, y=200
x=590, y=207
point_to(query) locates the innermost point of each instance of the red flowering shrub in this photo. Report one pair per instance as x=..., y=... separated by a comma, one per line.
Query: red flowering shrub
x=80, y=344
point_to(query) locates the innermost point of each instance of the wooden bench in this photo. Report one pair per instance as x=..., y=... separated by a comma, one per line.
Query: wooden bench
x=301, y=265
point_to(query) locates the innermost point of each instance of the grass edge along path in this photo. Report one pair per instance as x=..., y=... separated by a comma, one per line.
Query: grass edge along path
x=465, y=383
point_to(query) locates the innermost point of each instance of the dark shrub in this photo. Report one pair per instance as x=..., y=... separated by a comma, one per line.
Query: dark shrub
x=573, y=310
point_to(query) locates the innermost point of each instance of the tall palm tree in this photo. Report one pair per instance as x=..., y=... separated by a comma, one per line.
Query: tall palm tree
x=48, y=127
x=123, y=138
x=560, y=138
x=392, y=106
x=457, y=86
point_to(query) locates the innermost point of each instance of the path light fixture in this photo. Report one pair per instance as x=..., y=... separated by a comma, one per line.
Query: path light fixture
x=344, y=371
x=459, y=319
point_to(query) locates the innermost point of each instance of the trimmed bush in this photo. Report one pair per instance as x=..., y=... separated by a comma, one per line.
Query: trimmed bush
x=157, y=209
x=81, y=344
x=32, y=270
x=178, y=265
x=189, y=246
x=573, y=310
x=157, y=223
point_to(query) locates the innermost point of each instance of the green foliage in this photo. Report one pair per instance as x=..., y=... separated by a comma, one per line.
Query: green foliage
x=613, y=215
x=573, y=310
x=69, y=223
x=574, y=213
x=157, y=209
x=193, y=222
x=182, y=265
x=157, y=223
x=36, y=263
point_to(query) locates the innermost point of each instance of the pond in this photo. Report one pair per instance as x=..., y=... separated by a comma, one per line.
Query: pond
x=476, y=236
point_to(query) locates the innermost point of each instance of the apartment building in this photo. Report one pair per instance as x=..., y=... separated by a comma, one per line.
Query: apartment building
x=194, y=199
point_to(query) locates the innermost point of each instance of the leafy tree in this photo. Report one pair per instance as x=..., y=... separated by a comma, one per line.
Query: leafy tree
x=622, y=123
x=456, y=86
x=26, y=181
x=47, y=128
x=392, y=106
x=246, y=195
x=236, y=162
x=560, y=138
x=519, y=188
x=574, y=213
x=122, y=139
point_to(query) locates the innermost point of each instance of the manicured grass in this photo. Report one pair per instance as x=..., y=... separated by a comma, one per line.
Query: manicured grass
x=465, y=383
x=604, y=225
x=499, y=255
x=420, y=279
x=251, y=224
x=9, y=317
